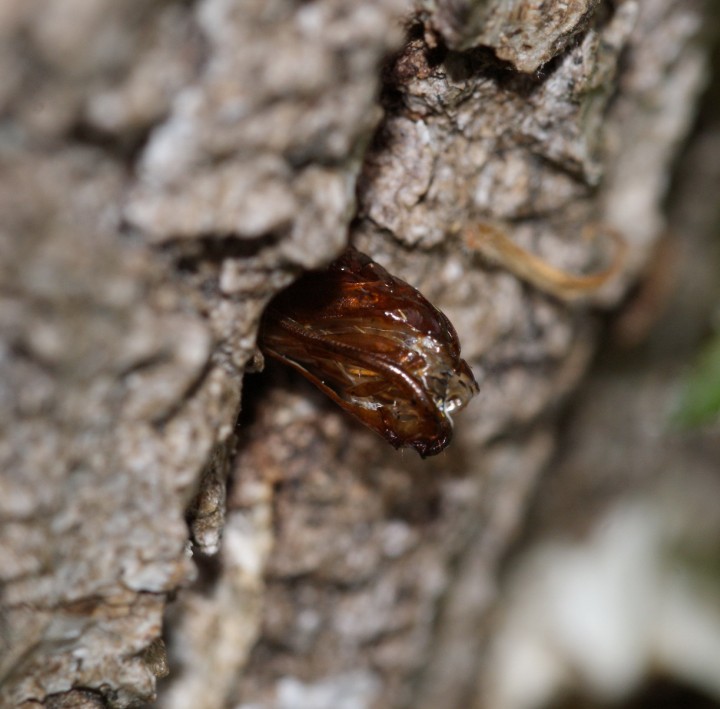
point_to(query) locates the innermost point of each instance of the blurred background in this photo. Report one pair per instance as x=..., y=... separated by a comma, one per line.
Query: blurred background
x=612, y=596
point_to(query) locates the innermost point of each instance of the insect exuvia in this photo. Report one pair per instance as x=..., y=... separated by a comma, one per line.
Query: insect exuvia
x=376, y=347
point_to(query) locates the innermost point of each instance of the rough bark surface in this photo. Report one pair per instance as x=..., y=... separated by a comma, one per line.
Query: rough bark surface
x=625, y=521
x=165, y=168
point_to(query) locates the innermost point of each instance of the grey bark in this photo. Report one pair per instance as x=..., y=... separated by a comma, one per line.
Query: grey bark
x=164, y=170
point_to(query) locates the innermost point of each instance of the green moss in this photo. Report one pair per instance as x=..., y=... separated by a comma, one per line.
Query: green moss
x=700, y=400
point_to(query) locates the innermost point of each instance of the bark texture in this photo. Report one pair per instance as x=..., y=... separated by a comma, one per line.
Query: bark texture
x=165, y=168
x=625, y=525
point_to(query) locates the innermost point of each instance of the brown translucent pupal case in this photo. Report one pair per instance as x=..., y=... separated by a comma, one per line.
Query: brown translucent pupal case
x=376, y=347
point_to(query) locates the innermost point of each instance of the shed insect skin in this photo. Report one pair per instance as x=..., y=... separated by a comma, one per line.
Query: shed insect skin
x=383, y=352
x=376, y=347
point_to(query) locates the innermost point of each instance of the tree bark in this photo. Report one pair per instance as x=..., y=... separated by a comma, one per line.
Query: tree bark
x=164, y=170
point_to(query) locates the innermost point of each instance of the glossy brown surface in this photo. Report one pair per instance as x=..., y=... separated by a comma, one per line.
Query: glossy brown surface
x=376, y=346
